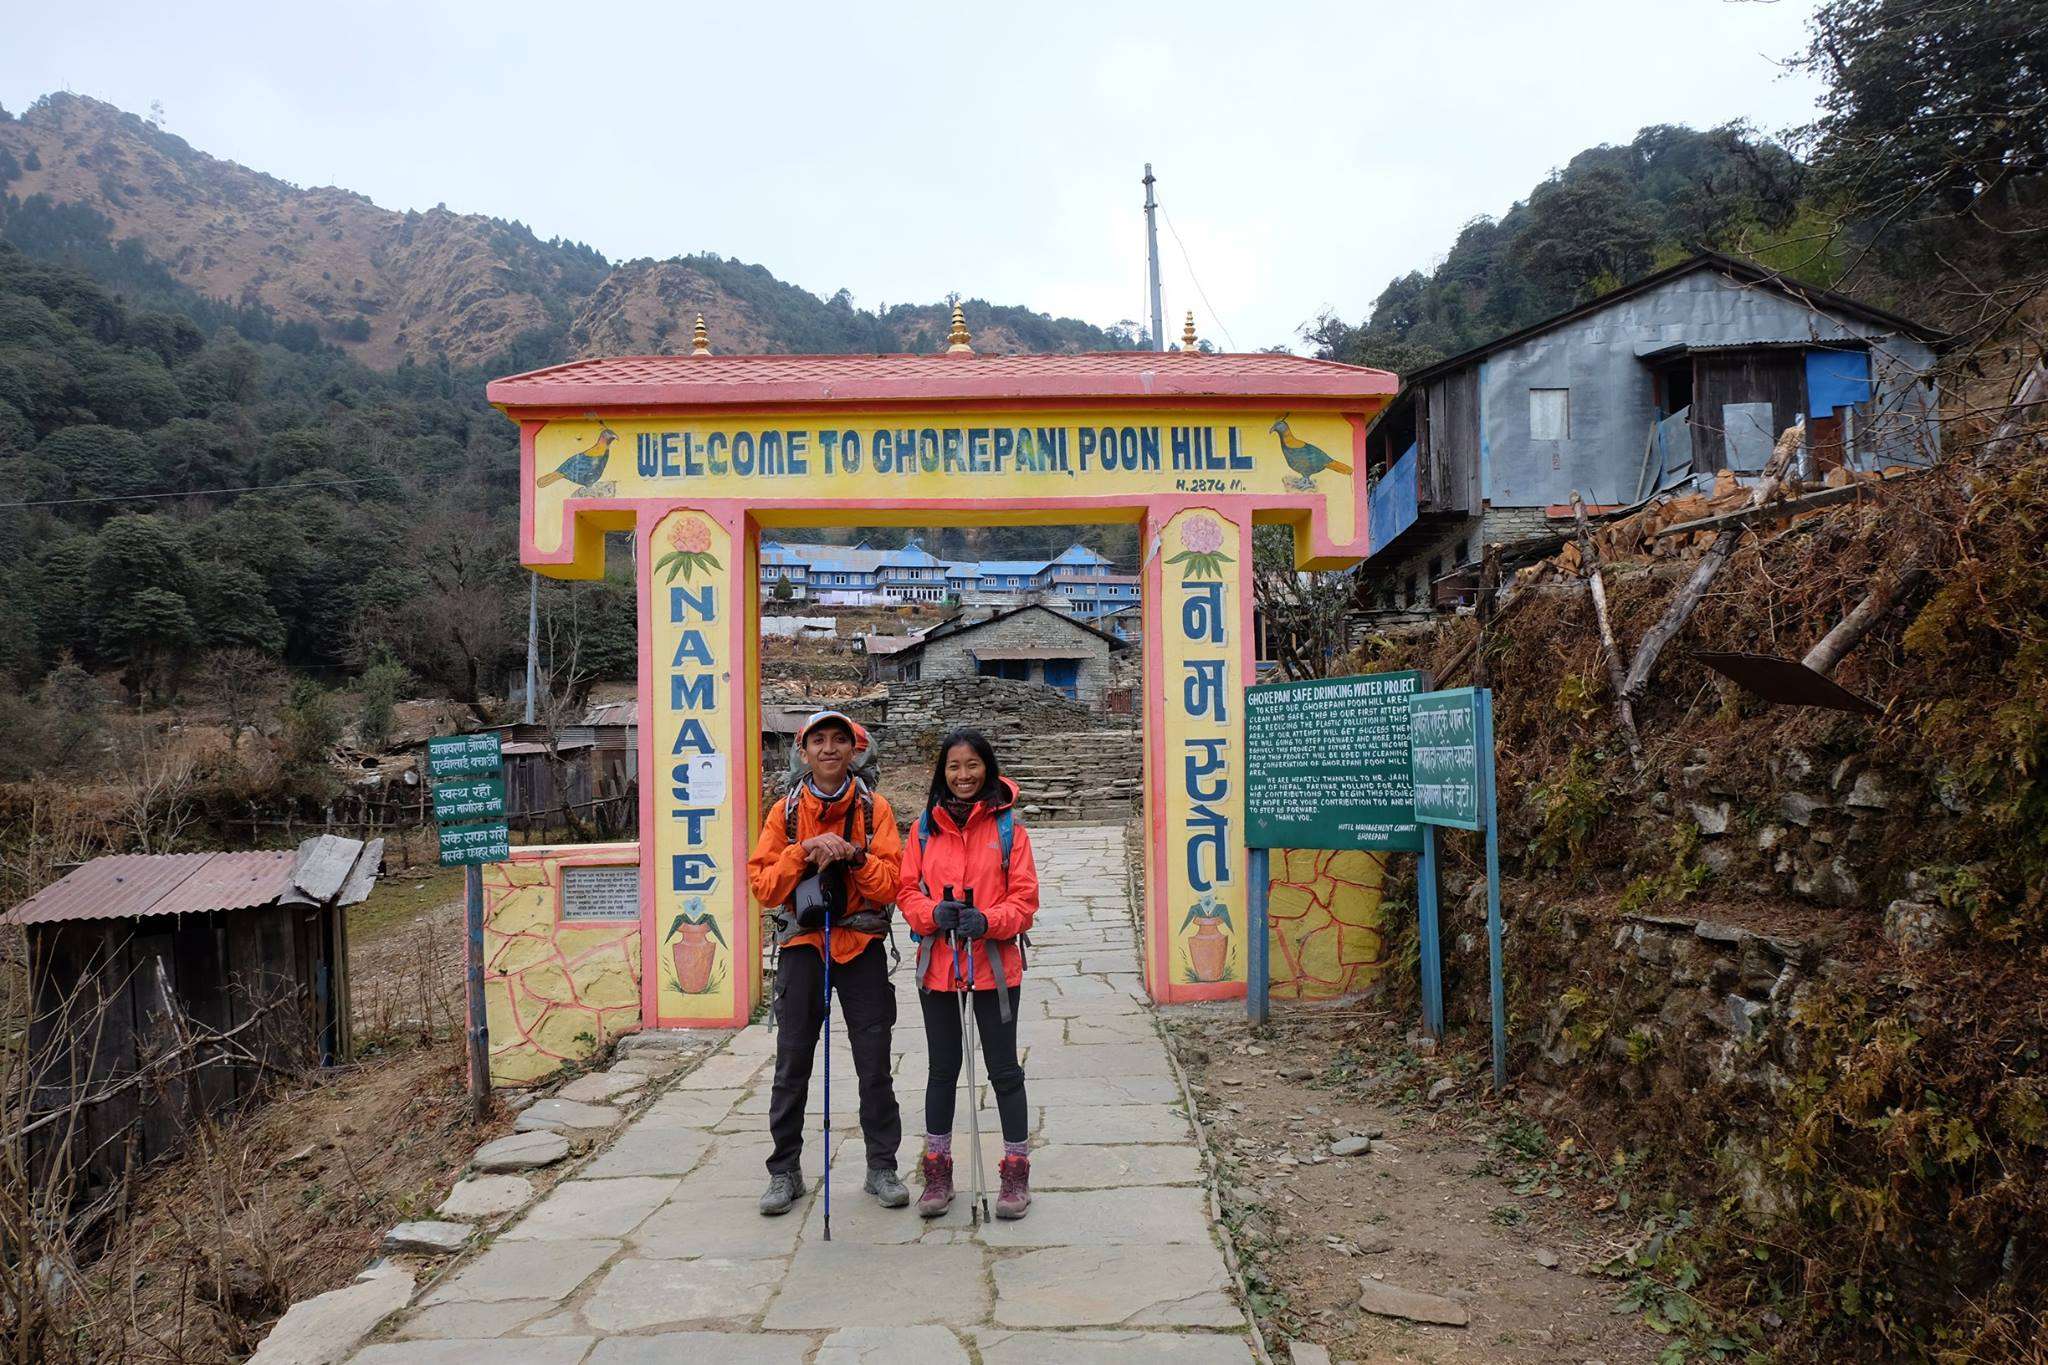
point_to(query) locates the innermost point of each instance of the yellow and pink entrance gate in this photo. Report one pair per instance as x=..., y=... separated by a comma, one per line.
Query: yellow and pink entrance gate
x=696, y=455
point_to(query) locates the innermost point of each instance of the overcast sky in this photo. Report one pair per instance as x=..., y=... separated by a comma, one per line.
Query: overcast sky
x=1306, y=153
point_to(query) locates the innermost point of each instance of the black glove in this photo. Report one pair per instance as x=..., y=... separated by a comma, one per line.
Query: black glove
x=973, y=924
x=946, y=916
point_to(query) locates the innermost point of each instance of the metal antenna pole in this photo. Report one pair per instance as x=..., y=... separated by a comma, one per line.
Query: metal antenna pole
x=1152, y=262
x=532, y=639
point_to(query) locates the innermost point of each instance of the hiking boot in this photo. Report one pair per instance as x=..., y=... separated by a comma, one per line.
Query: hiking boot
x=784, y=1189
x=886, y=1187
x=938, y=1186
x=1015, y=1195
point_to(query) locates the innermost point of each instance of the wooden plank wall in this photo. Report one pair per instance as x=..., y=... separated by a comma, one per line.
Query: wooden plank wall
x=218, y=966
x=1774, y=377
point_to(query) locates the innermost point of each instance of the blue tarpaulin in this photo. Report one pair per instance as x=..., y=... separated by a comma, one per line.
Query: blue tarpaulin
x=1836, y=379
x=1390, y=507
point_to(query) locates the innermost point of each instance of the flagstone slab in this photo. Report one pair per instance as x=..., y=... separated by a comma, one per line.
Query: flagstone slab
x=998, y=1347
x=1115, y=1123
x=1181, y=1286
x=521, y=1152
x=727, y=1226
x=891, y=1346
x=326, y=1327
x=711, y=1348
x=651, y=1147
x=600, y=1086
x=636, y=1294
x=586, y=1208
x=469, y=1321
x=1085, y=1166
x=1060, y=1092
x=551, y=1115
x=511, y=1270
x=1140, y=1216
x=724, y=1072
x=501, y=1351
x=889, y=1286
x=486, y=1196
x=693, y=1108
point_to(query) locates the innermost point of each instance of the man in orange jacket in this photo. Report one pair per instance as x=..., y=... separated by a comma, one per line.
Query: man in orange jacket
x=833, y=824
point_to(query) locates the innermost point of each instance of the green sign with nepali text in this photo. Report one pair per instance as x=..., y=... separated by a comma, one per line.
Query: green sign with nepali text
x=1447, y=730
x=464, y=755
x=1326, y=763
x=472, y=798
x=460, y=844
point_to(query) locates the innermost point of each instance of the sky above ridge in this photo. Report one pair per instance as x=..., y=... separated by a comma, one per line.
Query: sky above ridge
x=1306, y=153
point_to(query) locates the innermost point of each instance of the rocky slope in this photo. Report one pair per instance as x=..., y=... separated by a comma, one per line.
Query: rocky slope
x=390, y=286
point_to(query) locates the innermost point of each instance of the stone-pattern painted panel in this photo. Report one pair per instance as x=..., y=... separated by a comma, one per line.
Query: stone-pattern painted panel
x=1327, y=922
x=554, y=992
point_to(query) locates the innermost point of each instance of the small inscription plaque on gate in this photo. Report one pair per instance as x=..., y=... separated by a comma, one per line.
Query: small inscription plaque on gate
x=600, y=893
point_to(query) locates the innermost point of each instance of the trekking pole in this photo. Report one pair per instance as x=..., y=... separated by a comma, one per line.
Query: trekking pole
x=828, y=1076
x=977, y=1209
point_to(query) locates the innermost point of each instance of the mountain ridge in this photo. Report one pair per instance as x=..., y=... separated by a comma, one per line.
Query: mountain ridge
x=389, y=286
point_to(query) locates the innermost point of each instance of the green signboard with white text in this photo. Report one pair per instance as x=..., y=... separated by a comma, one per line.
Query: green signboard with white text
x=1446, y=732
x=1326, y=763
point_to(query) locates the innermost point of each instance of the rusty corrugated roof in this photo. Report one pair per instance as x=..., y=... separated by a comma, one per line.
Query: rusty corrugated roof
x=124, y=885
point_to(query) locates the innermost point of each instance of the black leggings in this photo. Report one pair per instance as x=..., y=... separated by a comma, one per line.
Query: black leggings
x=998, y=1050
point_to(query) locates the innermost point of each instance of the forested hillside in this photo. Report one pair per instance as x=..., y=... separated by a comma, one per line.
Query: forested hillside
x=1918, y=188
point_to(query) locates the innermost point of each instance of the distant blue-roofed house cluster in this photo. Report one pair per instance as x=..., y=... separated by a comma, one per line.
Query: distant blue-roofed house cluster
x=1077, y=581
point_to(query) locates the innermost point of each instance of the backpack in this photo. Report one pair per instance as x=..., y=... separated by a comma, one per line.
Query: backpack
x=1006, y=835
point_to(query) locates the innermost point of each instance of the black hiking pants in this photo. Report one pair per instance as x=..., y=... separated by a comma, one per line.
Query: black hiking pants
x=867, y=1003
x=998, y=1050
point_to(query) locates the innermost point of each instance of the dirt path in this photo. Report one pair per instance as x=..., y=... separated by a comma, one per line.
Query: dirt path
x=1426, y=1208
x=405, y=957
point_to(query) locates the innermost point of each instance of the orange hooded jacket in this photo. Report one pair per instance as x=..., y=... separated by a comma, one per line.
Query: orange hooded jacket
x=777, y=865
x=972, y=857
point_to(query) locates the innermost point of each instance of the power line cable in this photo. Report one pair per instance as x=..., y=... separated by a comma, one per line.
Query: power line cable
x=191, y=493
x=1196, y=279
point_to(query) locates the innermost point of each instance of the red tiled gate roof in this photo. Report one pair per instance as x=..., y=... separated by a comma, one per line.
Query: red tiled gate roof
x=1134, y=377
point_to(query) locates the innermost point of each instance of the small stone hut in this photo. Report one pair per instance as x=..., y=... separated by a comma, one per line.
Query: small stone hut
x=1025, y=644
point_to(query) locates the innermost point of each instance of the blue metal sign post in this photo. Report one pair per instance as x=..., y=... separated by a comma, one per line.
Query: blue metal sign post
x=1451, y=746
x=1258, y=945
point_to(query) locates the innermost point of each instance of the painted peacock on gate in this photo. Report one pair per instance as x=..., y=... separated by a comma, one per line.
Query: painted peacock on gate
x=1305, y=458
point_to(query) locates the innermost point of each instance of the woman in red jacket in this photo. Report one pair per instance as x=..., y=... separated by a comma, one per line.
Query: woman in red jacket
x=968, y=839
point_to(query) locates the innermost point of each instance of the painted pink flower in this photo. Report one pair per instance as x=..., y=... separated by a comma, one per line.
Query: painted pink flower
x=691, y=536
x=1201, y=536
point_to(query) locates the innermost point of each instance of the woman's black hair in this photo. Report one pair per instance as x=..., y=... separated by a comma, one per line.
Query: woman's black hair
x=977, y=741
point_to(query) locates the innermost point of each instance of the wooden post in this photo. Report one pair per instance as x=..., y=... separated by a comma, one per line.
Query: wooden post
x=1258, y=940
x=1833, y=647
x=1617, y=667
x=479, y=1027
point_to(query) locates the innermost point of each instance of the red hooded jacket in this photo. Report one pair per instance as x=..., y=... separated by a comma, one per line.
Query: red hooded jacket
x=973, y=857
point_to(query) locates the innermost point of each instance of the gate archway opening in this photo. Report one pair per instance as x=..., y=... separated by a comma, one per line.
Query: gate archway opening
x=701, y=457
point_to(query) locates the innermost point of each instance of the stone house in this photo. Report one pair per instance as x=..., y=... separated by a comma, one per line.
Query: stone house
x=1025, y=644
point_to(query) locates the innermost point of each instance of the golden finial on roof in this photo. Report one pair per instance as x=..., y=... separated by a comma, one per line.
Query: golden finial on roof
x=957, y=340
x=1188, y=340
x=700, y=338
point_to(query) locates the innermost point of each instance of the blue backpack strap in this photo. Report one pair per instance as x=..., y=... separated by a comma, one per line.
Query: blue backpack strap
x=1006, y=834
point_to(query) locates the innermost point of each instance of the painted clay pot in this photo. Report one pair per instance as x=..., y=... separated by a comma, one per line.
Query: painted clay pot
x=695, y=954
x=1208, y=948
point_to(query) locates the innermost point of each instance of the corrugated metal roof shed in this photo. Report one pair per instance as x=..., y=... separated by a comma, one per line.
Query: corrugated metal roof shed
x=132, y=884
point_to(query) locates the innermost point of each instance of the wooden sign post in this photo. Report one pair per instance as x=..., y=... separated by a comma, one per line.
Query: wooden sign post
x=469, y=787
x=1451, y=749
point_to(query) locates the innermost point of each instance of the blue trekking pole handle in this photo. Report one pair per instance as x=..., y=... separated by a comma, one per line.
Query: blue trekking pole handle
x=828, y=1076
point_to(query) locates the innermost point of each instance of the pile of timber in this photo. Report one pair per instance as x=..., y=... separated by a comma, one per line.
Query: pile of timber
x=1684, y=526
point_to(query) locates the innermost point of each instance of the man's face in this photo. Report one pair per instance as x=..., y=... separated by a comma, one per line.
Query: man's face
x=829, y=752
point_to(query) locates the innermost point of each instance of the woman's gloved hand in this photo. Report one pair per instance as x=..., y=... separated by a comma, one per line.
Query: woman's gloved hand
x=946, y=916
x=973, y=924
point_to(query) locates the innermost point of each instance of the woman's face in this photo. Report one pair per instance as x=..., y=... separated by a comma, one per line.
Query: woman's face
x=965, y=772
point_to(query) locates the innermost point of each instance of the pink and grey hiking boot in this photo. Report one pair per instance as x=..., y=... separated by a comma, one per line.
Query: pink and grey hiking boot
x=1015, y=1195
x=938, y=1186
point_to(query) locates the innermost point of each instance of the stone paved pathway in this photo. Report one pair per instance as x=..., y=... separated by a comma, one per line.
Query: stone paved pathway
x=654, y=1251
